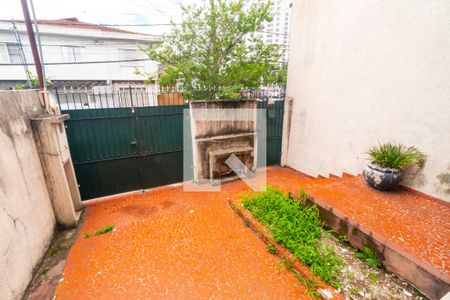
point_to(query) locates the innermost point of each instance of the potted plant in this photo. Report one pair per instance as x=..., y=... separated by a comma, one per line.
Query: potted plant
x=388, y=164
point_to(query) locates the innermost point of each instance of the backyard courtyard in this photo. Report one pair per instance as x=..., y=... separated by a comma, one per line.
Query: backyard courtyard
x=167, y=243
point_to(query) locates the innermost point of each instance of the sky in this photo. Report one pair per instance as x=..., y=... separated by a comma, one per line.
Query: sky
x=104, y=11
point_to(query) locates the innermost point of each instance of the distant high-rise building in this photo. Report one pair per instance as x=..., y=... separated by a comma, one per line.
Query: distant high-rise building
x=277, y=31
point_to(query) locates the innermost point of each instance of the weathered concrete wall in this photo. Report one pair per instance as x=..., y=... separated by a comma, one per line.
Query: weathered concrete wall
x=218, y=125
x=367, y=71
x=26, y=215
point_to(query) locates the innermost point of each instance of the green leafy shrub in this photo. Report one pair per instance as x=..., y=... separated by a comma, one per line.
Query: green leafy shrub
x=396, y=156
x=298, y=228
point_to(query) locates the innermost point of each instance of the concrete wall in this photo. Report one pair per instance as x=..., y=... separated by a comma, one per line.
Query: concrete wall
x=26, y=215
x=219, y=125
x=367, y=71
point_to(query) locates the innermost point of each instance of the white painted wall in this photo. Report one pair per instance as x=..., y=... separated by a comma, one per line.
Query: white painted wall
x=26, y=215
x=367, y=71
x=92, y=45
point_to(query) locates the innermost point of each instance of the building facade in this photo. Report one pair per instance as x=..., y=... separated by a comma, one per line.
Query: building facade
x=75, y=53
x=277, y=31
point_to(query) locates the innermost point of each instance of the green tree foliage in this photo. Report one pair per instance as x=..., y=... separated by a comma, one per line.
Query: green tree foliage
x=215, y=52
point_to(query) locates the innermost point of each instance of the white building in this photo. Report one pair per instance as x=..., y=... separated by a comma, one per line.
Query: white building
x=74, y=53
x=277, y=31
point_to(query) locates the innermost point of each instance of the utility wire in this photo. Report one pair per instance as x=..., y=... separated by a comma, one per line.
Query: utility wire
x=145, y=25
x=85, y=62
x=82, y=62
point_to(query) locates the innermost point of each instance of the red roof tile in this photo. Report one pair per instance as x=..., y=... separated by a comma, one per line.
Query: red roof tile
x=75, y=23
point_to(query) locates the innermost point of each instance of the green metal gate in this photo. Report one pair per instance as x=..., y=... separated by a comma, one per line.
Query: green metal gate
x=115, y=150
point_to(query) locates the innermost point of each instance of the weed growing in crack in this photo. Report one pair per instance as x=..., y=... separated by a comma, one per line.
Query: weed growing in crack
x=87, y=235
x=373, y=278
x=310, y=284
x=369, y=257
x=56, y=249
x=343, y=239
x=351, y=275
x=272, y=249
x=286, y=262
x=298, y=228
x=354, y=290
x=303, y=196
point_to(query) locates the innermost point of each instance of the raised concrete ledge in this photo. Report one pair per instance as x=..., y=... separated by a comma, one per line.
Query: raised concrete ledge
x=52, y=119
x=421, y=275
x=224, y=137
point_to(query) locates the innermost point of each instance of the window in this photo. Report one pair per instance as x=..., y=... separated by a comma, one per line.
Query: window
x=4, y=58
x=129, y=54
x=71, y=53
x=14, y=53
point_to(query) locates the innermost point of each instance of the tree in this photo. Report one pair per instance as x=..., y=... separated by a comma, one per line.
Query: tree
x=216, y=52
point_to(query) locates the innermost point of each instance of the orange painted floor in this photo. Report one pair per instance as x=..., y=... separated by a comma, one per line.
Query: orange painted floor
x=172, y=244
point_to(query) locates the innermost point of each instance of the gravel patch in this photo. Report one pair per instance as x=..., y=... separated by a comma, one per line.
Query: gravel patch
x=360, y=281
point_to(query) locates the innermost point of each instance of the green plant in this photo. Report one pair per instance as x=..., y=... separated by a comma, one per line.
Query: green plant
x=354, y=290
x=351, y=275
x=33, y=82
x=105, y=229
x=56, y=249
x=373, y=277
x=343, y=239
x=303, y=196
x=286, y=262
x=369, y=257
x=396, y=156
x=310, y=284
x=87, y=235
x=272, y=249
x=298, y=228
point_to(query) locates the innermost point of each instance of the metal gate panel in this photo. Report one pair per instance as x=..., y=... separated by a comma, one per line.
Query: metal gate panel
x=115, y=150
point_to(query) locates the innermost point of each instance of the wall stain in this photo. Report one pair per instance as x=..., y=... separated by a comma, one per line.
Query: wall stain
x=444, y=182
x=139, y=211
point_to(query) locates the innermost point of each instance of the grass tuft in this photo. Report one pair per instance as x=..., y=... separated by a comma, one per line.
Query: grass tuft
x=373, y=278
x=272, y=249
x=106, y=229
x=298, y=228
x=396, y=156
x=310, y=285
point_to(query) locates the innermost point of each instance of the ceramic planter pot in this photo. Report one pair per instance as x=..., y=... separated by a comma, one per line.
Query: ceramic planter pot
x=381, y=178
